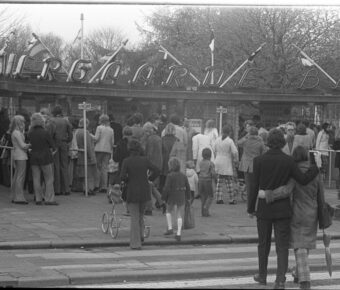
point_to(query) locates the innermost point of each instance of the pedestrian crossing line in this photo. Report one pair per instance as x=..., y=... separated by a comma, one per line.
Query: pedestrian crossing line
x=154, y=252
x=185, y=264
x=128, y=265
x=71, y=255
x=211, y=282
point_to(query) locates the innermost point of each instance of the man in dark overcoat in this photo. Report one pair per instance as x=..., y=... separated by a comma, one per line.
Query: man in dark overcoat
x=271, y=170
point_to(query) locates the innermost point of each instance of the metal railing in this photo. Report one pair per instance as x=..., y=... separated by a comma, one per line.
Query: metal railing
x=329, y=161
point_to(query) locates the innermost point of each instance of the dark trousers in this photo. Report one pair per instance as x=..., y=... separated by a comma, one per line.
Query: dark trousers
x=249, y=181
x=206, y=193
x=61, y=181
x=136, y=211
x=281, y=234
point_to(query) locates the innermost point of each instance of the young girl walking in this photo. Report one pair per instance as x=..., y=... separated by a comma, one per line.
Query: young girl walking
x=175, y=192
x=205, y=181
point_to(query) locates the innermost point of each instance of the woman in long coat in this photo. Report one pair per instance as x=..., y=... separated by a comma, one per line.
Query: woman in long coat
x=252, y=145
x=304, y=222
x=226, y=155
x=135, y=174
x=91, y=157
x=168, y=140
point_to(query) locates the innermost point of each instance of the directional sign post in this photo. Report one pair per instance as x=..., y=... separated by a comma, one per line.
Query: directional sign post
x=221, y=110
x=85, y=107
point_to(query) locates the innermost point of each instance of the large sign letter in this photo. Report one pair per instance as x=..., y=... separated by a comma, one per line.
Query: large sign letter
x=176, y=75
x=48, y=70
x=311, y=78
x=106, y=73
x=216, y=73
x=144, y=73
x=76, y=68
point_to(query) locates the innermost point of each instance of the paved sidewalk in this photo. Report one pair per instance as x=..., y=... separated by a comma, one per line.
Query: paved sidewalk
x=76, y=222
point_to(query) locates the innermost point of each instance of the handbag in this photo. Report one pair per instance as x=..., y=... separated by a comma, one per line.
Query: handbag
x=325, y=215
x=189, y=220
x=325, y=211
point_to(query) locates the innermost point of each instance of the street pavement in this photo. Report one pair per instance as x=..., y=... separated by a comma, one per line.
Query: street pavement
x=76, y=223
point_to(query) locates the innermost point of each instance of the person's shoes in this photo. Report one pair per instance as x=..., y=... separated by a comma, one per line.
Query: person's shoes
x=260, y=280
x=138, y=248
x=220, y=202
x=67, y=193
x=91, y=192
x=58, y=193
x=148, y=212
x=38, y=203
x=163, y=206
x=21, y=202
x=233, y=201
x=305, y=285
x=51, y=203
x=178, y=238
x=127, y=214
x=169, y=232
x=279, y=285
x=198, y=197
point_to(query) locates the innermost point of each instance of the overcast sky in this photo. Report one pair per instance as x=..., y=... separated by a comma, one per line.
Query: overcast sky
x=64, y=19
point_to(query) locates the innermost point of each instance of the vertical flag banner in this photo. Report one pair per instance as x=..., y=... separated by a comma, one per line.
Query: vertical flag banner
x=35, y=47
x=212, y=41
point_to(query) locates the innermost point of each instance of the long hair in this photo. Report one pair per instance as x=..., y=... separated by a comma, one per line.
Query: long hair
x=17, y=122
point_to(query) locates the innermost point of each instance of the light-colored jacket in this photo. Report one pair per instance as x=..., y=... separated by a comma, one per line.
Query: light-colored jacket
x=322, y=142
x=226, y=154
x=104, y=139
x=193, y=179
x=252, y=146
x=199, y=142
x=18, y=141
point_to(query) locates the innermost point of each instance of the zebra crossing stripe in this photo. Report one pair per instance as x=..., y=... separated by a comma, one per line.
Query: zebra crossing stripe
x=211, y=282
x=154, y=252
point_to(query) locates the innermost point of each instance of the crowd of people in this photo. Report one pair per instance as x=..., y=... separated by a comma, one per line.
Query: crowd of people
x=166, y=159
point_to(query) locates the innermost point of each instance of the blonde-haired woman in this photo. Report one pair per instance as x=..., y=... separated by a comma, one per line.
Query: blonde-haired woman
x=104, y=139
x=19, y=155
x=211, y=131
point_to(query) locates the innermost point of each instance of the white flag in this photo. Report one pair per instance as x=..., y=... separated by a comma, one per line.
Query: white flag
x=306, y=62
x=212, y=41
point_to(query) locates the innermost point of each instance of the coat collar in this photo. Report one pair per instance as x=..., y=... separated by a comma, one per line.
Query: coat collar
x=275, y=151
